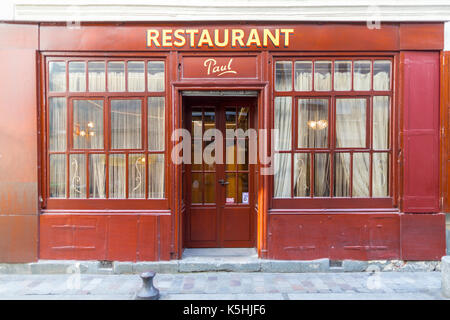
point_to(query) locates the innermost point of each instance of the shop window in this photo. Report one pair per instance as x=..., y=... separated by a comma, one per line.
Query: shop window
x=333, y=130
x=106, y=129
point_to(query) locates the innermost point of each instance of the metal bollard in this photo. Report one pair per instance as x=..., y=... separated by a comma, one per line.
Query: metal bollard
x=147, y=291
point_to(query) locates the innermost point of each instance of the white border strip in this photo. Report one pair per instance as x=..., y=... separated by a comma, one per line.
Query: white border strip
x=227, y=10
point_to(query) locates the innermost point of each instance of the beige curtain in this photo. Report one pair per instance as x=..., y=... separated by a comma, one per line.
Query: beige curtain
x=126, y=120
x=351, y=133
x=136, y=76
x=156, y=176
x=155, y=76
x=117, y=176
x=303, y=75
x=282, y=162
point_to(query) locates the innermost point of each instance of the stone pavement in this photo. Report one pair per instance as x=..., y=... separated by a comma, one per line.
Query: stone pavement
x=228, y=286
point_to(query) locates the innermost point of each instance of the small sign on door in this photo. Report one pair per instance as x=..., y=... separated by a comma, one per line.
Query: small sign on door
x=230, y=200
x=245, y=197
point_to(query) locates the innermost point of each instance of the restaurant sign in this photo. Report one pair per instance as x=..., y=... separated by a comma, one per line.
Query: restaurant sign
x=218, y=38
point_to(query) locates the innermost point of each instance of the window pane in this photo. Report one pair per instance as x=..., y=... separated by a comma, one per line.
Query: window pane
x=97, y=82
x=156, y=123
x=117, y=172
x=210, y=187
x=88, y=124
x=282, y=177
x=322, y=76
x=57, y=76
x=381, y=115
x=77, y=173
x=342, y=175
x=380, y=174
x=343, y=75
x=312, y=123
x=303, y=75
x=283, y=76
x=136, y=76
x=361, y=175
x=230, y=154
x=321, y=175
x=116, y=76
x=57, y=175
x=302, y=175
x=362, y=75
x=242, y=196
x=196, y=154
x=77, y=76
x=126, y=124
x=97, y=176
x=196, y=188
x=351, y=123
x=136, y=176
x=282, y=123
x=156, y=176
x=382, y=75
x=57, y=124
x=156, y=76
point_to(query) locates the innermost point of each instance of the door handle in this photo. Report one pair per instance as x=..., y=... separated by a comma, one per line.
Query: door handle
x=222, y=182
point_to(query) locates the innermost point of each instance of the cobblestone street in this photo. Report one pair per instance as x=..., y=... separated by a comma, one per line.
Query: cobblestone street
x=229, y=286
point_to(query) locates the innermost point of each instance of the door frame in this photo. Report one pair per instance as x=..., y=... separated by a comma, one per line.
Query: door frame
x=220, y=209
x=262, y=201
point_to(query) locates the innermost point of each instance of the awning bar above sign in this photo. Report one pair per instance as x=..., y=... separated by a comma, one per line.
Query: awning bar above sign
x=218, y=38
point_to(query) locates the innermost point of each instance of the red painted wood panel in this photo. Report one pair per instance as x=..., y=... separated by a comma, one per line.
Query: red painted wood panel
x=56, y=239
x=429, y=35
x=89, y=237
x=420, y=131
x=422, y=236
x=18, y=144
x=336, y=236
x=148, y=238
x=165, y=237
x=105, y=237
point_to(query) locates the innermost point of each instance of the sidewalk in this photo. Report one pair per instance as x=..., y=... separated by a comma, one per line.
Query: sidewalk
x=228, y=286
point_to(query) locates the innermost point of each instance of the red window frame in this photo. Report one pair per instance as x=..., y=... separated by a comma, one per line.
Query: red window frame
x=94, y=205
x=331, y=202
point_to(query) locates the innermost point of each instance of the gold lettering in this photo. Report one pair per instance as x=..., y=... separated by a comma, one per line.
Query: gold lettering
x=167, y=38
x=205, y=38
x=179, y=35
x=274, y=39
x=253, y=38
x=237, y=38
x=192, y=33
x=225, y=38
x=286, y=35
x=152, y=35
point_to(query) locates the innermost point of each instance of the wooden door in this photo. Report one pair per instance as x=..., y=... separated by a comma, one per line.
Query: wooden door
x=219, y=197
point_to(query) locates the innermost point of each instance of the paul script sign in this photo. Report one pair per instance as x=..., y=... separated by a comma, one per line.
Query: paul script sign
x=220, y=67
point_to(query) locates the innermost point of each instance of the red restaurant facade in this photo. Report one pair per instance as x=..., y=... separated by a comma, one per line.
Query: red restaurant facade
x=87, y=117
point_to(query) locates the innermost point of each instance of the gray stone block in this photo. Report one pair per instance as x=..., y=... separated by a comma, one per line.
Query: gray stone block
x=15, y=268
x=156, y=266
x=445, y=274
x=319, y=265
x=120, y=267
x=419, y=266
x=63, y=267
x=354, y=265
x=384, y=265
